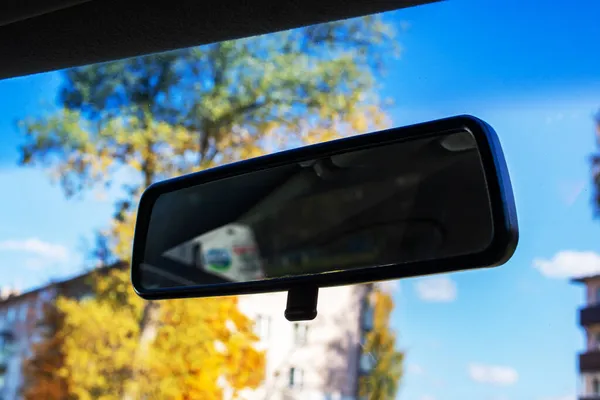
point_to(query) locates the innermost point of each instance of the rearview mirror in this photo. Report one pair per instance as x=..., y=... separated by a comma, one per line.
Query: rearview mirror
x=416, y=200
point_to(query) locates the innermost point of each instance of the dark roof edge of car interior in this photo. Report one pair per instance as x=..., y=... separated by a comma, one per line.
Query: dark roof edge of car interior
x=39, y=36
x=19, y=10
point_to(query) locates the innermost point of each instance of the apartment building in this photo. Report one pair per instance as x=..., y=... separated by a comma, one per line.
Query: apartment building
x=589, y=359
x=319, y=360
x=19, y=328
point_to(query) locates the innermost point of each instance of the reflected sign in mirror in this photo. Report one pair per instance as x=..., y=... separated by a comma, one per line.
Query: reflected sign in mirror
x=428, y=198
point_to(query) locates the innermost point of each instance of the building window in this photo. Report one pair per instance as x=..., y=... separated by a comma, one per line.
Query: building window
x=367, y=363
x=596, y=341
x=363, y=339
x=595, y=386
x=85, y=297
x=10, y=314
x=23, y=311
x=296, y=378
x=262, y=326
x=368, y=315
x=39, y=308
x=7, y=346
x=300, y=334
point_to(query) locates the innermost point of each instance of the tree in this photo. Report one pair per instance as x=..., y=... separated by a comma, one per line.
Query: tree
x=42, y=370
x=99, y=344
x=148, y=118
x=383, y=380
x=179, y=362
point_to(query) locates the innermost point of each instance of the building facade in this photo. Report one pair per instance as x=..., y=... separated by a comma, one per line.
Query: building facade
x=589, y=359
x=321, y=359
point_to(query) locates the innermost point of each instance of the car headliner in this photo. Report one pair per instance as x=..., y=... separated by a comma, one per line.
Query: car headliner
x=43, y=35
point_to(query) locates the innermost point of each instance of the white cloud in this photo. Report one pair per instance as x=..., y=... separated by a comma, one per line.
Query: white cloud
x=437, y=289
x=569, y=264
x=43, y=253
x=493, y=374
x=35, y=263
x=37, y=247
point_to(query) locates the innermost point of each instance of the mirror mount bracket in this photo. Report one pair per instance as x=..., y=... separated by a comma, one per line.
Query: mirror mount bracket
x=302, y=303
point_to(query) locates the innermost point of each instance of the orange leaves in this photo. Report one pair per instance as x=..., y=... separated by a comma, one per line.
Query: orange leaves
x=200, y=348
x=41, y=371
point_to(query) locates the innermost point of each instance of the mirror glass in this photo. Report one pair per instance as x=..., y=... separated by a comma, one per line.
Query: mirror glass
x=414, y=200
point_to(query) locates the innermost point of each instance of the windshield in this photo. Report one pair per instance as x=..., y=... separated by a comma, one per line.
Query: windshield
x=79, y=146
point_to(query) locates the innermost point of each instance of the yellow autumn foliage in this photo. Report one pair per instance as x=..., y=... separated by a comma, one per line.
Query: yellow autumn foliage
x=383, y=381
x=199, y=343
x=99, y=344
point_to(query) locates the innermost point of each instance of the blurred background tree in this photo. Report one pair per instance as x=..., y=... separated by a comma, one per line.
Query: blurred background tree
x=140, y=120
x=383, y=379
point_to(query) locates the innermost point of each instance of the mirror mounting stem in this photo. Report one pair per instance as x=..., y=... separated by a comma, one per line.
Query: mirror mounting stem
x=302, y=303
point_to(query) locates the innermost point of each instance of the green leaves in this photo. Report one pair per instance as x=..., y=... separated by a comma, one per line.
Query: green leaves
x=383, y=380
x=173, y=113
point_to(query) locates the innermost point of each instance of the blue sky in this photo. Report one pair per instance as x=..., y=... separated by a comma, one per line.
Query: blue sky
x=531, y=71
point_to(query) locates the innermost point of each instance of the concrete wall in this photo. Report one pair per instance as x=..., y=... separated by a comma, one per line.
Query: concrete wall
x=587, y=384
x=593, y=291
x=592, y=338
x=592, y=333
x=19, y=316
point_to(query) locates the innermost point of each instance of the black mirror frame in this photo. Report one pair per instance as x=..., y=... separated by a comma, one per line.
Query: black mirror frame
x=503, y=211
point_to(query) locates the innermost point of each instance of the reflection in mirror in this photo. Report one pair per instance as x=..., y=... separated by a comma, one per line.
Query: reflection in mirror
x=409, y=201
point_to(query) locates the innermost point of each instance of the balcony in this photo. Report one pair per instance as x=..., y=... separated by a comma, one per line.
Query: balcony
x=4, y=360
x=7, y=340
x=589, y=361
x=589, y=315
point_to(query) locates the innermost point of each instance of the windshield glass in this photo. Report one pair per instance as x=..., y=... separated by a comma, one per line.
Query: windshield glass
x=79, y=146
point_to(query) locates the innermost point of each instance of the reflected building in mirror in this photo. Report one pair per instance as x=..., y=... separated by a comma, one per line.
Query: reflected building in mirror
x=403, y=203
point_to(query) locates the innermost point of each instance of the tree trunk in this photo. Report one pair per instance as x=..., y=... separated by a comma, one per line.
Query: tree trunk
x=148, y=329
x=148, y=324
